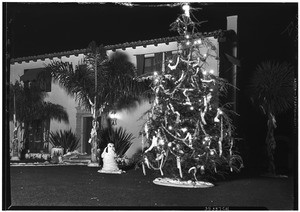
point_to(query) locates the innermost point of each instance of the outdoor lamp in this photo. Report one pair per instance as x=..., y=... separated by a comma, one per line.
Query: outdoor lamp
x=113, y=116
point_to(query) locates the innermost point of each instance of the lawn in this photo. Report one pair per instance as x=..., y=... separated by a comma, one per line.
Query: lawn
x=83, y=186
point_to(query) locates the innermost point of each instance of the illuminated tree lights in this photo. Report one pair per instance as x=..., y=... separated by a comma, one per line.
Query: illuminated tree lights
x=187, y=134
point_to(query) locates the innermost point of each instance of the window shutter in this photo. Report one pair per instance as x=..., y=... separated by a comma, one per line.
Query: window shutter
x=48, y=83
x=45, y=82
x=140, y=64
x=168, y=56
x=158, y=61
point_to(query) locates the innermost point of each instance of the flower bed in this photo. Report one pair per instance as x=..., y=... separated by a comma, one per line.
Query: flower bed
x=42, y=156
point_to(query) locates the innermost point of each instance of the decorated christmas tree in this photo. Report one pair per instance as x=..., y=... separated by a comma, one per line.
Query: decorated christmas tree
x=189, y=134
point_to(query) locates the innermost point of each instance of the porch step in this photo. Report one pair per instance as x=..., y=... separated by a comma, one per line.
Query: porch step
x=77, y=161
x=77, y=158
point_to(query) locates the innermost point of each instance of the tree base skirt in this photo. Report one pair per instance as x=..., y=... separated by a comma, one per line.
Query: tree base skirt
x=111, y=172
x=182, y=184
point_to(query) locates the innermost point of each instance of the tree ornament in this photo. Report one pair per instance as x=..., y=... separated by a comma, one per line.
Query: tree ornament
x=174, y=66
x=146, y=130
x=202, y=169
x=181, y=77
x=153, y=144
x=184, y=129
x=188, y=101
x=161, y=164
x=179, y=165
x=161, y=142
x=189, y=138
x=202, y=114
x=221, y=138
x=143, y=167
x=147, y=162
x=219, y=112
x=159, y=156
x=176, y=112
x=207, y=81
x=195, y=172
x=206, y=101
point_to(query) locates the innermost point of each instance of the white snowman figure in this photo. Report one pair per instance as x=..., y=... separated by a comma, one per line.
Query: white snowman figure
x=109, y=158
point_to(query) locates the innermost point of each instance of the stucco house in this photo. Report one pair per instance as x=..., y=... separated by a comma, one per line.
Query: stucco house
x=145, y=55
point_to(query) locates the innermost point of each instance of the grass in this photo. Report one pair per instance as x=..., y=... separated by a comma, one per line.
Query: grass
x=82, y=186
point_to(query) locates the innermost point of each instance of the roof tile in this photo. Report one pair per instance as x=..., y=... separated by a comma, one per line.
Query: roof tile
x=167, y=40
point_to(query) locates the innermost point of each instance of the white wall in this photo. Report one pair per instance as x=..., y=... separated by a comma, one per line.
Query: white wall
x=128, y=118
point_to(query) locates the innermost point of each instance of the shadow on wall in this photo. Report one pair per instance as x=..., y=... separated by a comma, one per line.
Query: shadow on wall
x=130, y=119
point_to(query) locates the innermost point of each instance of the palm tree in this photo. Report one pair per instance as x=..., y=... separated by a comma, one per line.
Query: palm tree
x=27, y=107
x=99, y=83
x=272, y=92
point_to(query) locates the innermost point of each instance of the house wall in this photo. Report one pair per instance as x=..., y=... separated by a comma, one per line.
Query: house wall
x=128, y=119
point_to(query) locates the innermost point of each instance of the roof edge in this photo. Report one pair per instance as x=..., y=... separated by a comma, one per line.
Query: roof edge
x=216, y=34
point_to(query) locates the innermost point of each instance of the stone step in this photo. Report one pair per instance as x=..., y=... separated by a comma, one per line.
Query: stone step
x=78, y=157
x=77, y=161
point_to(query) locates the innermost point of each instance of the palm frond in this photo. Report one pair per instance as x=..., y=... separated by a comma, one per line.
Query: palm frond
x=272, y=86
x=119, y=137
x=122, y=140
x=78, y=82
x=57, y=112
x=30, y=105
x=119, y=84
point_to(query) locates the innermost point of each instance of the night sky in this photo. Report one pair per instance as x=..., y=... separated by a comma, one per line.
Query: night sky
x=39, y=28
x=47, y=28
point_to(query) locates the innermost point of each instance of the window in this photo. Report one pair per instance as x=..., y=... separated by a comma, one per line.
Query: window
x=37, y=77
x=149, y=65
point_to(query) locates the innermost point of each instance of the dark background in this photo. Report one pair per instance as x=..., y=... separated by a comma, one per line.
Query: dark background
x=267, y=31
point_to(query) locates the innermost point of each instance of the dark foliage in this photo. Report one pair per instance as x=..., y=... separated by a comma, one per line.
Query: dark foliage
x=118, y=136
x=66, y=139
